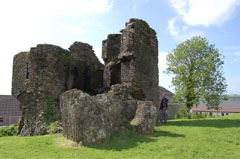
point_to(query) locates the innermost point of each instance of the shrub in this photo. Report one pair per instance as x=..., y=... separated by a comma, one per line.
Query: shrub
x=195, y=115
x=55, y=128
x=8, y=130
x=49, y=113
x=182, y=113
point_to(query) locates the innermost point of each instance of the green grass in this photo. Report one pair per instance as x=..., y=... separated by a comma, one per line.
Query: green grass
x=181, y=139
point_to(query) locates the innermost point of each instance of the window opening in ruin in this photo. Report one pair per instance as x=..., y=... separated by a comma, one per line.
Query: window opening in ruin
x=86, y=80
x=1, y=120
x=75, y=78
x=116, y=74
x=27, y=72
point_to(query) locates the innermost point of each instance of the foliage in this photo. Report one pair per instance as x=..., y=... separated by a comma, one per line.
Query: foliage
x=197, y=69
x=182, y=113
x=49, y=113
x=196, y=115
x=216, y=138
x=8, y=130
x=53, y=128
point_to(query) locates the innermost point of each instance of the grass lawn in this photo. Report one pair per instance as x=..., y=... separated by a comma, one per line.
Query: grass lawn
x=181, y=139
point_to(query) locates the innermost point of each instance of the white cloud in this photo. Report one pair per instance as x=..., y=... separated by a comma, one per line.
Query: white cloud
x=73, y=28
x=164, y=79
x=98, y=52
x=181, y=33
x=171, y=27
x=205, y=12
x=162, y=60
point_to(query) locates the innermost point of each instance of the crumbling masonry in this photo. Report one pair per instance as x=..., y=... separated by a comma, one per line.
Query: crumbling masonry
x=93, y=100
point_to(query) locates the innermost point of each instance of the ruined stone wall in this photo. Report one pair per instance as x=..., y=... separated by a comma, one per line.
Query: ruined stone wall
x=110, y=51
x=86, y=71
x=139, y=56
x=39, y=76
x=111, y=47
x=135, y=54
x=38, y=80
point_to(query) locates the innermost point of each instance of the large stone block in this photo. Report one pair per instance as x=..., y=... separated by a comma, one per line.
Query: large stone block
x=145, y=118
x=90, y=118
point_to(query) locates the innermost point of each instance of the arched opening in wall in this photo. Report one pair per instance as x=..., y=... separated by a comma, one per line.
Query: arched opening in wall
x=75, y=78
x=116, y=74
x=86, y=80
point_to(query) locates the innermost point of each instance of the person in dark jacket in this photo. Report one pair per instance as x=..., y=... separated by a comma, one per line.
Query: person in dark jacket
x=163, y=109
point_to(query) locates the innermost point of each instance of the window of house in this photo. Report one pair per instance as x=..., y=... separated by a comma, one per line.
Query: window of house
x=1, y=120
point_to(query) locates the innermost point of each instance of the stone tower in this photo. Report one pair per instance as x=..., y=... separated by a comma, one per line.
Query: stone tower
x=132, y=57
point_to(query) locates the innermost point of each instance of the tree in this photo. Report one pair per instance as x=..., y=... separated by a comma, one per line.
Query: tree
x=197, y=69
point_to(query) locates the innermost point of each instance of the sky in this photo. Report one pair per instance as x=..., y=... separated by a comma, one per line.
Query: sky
x=26, y=23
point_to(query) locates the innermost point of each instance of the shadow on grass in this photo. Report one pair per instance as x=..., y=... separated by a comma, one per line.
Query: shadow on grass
x=124, y=141
x=222, y=123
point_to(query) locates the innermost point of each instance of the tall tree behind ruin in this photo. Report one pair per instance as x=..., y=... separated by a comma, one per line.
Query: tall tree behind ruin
x=197, y=69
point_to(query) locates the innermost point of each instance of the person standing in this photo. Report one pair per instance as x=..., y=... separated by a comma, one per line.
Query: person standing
x=163, y=109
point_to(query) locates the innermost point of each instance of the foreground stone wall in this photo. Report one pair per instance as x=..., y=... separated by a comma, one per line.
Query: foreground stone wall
x=91, y=119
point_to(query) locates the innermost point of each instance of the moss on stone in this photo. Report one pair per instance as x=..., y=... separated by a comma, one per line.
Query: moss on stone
x=138, y=94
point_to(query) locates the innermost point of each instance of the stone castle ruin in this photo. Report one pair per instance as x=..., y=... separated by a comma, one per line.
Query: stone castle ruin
x=91, y=99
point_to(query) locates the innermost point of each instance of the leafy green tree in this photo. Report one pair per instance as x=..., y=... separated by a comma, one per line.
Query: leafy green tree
x=197, y=69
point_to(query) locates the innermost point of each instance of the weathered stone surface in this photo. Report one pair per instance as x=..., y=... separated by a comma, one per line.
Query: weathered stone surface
x=145, y=118
x=85, y=70
x=137, y=61
x=39, y=76
x=37, y=79
x=111, y=47
x=139, y=53
x=90, y=118
x=128, y=91
x=129, y=79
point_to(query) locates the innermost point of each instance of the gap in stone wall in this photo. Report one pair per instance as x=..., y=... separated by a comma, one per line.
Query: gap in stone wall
x=116, y=74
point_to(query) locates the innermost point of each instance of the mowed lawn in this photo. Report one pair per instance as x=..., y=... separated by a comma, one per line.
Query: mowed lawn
x=181, y=139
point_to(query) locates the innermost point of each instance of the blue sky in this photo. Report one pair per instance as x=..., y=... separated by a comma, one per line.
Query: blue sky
x=26, y=23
